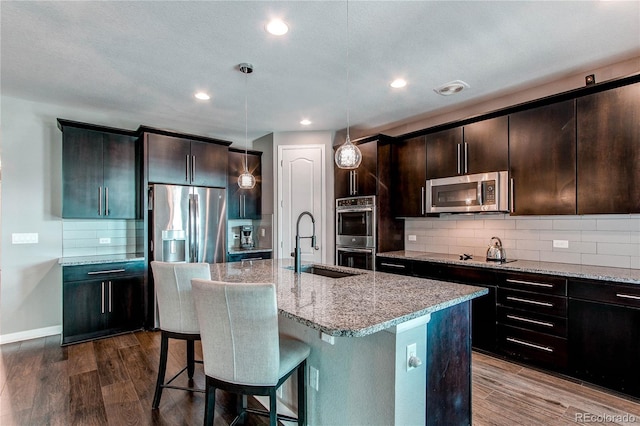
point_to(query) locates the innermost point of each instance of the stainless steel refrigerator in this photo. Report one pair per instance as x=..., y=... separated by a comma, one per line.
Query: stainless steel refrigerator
x=187, y=224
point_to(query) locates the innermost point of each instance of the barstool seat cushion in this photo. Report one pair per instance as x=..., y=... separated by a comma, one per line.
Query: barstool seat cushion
x=292, y=353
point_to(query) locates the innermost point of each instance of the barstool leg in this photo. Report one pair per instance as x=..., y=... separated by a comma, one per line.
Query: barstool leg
x=302, y=394
x=162, y=367
x=273, y=407
x=210, y=403
x=190, y=358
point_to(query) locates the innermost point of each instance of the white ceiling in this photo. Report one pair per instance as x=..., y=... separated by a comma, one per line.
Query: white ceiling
x=142, y=61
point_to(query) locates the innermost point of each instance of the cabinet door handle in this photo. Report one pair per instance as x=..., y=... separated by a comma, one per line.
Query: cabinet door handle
x=193, y=168
x=244, y=206
x=110, y=298
x=466, y=157
x=509, y=280
x=511, y=200
x=531, y=321
x=531, y=302
x=393, y=265
x=355, y=183
x=531, y=345
x=99, y=201
x=628, y=296
x=422, y=206
x=458, y=159
x=240, y=206
x=102, y=293
x=109, y=271
x=106, y=201
x=186, y=168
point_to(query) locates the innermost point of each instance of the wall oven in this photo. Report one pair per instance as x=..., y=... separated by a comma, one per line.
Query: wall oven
x=356, y=232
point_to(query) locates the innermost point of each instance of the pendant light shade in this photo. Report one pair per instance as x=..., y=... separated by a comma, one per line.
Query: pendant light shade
x=348, y=156
x=246, y=180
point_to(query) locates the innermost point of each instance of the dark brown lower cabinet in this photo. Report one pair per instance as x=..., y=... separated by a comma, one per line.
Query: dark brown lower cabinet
x=101, y=300
x=604, y=335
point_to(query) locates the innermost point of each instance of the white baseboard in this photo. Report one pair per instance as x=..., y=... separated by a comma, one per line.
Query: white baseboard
x=30, y=334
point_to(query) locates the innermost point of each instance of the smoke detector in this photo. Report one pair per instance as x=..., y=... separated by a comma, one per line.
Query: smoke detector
x=451, y=88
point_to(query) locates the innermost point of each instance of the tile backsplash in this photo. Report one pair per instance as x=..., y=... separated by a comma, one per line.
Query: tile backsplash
x=82, y=237
x=603, y=240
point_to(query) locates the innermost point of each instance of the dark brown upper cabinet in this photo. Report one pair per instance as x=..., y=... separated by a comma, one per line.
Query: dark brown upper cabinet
x=486, y=146
x=244, y=203
x=542, y=156
x=181, y=160
x=444, y=151
x=99, y=172
x=609, y=151
x=363, y=180
x=409, y=175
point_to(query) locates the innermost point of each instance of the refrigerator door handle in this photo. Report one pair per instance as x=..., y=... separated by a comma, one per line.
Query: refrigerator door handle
x=196, y=228
x=192, y=223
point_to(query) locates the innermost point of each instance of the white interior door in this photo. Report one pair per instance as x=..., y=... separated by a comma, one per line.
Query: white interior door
x=301, y=187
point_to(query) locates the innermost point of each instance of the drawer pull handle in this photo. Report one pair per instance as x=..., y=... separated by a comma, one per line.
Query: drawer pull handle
x=530, y=283
x=517, y=318
x=628, y=296
x=393, y=265
x=531, y=345
x=110, y=271
x=532, y=302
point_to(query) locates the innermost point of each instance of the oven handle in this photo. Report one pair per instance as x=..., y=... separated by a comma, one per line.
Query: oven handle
x=356, y=250
x=363, y=209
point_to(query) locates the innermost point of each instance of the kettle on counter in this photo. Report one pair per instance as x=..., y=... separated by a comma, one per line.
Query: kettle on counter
x=495, y=252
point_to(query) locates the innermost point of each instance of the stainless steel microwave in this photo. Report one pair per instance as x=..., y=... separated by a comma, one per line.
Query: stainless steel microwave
x=482, y=192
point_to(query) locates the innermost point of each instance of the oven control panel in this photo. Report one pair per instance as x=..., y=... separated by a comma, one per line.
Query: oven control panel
x=356, y=202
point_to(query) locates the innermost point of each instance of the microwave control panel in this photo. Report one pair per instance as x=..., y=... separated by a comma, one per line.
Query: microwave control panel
x=489, y=192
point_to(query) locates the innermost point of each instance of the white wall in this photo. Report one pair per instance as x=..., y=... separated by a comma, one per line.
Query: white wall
x=30, y=289
x=602, y=240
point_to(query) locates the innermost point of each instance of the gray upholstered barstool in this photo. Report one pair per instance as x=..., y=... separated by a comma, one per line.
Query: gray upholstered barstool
x=177, y=315
x=242, y=349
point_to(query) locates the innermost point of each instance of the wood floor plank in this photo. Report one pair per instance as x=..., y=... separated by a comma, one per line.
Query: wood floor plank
x=122, y=405
x=86, y=406
x=108, y=362
x=82, y=358
x=52, y=394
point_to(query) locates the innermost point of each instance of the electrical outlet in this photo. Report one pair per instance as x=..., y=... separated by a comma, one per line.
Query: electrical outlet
x=24, y=238
x=314, y=377
x=327, y=338
x=413, y=238
x=262, y=232
x=105, y=241
x=561, y=243
x=411, y=352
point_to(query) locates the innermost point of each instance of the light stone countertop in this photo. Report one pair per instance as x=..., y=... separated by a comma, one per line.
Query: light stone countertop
x=101, y=258
x=252, y=250
x=604, y=273
x=352, y=306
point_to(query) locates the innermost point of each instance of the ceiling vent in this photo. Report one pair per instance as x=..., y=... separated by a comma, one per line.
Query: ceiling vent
x=451, y=88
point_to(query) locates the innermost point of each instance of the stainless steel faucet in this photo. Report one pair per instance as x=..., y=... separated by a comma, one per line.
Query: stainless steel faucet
x=297, y=252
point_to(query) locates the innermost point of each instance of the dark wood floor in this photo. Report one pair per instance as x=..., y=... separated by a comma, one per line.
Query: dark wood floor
x=111, y=381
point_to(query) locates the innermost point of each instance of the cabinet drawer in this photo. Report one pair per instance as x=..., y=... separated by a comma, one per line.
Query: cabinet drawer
x=533, y=282
x=394, y=266
x=533, y=302
x=102, y=270
x=530, y=346
x=237, y=257
x=471, y=276
x=556, y=326
x=599, y=291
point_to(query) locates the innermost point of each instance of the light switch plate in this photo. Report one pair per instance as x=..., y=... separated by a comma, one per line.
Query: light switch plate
x=24, y=238
x=105, y=240
x=561, y=243
x=413, y=238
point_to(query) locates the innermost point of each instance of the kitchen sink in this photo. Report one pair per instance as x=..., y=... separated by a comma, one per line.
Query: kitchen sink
x=330, y=273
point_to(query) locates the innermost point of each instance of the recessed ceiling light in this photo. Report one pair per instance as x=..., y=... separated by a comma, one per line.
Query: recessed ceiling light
x=277, y=27
x=398, y=83
x=305, y=122
x=202, y=96
x=451, y=88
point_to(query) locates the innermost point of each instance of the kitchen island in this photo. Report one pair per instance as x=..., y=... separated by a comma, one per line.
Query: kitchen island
x=363, y=330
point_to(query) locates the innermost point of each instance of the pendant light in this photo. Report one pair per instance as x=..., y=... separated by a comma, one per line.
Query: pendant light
x=348, y=156
x=246, y=180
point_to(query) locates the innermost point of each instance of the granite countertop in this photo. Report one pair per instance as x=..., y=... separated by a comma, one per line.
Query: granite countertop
x=352, y=306
x=604, y=273
x=102, y=258
x=253, y=250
